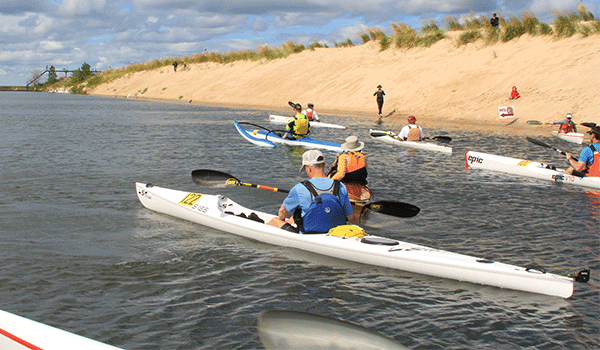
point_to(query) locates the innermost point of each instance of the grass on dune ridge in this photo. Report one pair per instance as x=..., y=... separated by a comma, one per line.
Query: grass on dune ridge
x=474, y=28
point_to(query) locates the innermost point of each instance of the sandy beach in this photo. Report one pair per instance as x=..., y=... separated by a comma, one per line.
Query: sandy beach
x=442, y=84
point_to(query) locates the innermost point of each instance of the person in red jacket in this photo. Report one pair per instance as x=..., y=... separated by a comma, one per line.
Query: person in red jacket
x=514, y=94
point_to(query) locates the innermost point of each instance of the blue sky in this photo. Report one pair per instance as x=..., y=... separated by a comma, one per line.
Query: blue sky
x=114, y=33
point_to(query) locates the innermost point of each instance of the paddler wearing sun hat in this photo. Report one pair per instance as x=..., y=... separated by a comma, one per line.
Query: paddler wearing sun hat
x=350, y=166
x=411, y=132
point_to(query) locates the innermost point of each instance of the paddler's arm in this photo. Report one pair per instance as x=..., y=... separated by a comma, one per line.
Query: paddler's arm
x=341, y=169
x=283, y=213
x=575, y=164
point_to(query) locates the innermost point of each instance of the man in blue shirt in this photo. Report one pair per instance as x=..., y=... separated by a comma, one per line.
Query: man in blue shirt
x=300, y=196
x=588, y=163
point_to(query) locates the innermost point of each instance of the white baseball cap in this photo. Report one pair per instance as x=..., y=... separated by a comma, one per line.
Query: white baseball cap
x=312, y=157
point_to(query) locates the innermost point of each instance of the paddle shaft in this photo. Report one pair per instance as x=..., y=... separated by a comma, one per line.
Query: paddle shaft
x=262, y=187
x=540, y=143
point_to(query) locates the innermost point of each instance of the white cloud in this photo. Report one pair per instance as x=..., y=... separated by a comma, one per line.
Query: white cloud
x=50, y=45
x=81, y=7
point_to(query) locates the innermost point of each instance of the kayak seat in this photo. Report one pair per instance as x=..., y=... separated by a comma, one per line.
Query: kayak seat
x=252, y=216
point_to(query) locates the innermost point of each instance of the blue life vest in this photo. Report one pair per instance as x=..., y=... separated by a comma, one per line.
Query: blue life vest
x=324, y=213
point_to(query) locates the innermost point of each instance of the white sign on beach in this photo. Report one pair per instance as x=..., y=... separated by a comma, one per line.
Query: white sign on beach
x=506, y=112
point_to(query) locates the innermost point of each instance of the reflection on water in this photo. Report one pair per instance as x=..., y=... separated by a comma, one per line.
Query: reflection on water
x=79, y=252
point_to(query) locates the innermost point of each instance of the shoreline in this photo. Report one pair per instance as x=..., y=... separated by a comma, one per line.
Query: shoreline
x=440, y=85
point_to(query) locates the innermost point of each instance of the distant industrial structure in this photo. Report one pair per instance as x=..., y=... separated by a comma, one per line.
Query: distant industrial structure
x=47, y=70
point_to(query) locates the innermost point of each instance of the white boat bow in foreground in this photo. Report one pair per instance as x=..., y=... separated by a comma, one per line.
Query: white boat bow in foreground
x=223, y=214
x=20, y=333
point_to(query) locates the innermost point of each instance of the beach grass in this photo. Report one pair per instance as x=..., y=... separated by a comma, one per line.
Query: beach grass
x=473, y=27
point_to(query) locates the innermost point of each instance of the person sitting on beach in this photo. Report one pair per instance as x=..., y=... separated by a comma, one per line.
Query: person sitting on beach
x=566, y=125
x=299, y=127
x=311, y=114
x=411, y=132
x=589, y=159
x=318, y=204
x=514, y=94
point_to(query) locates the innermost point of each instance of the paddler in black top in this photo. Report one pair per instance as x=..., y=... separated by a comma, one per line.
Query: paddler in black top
x=299, y=127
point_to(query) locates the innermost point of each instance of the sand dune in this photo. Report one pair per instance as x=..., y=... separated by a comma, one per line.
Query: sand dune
x=440, y=84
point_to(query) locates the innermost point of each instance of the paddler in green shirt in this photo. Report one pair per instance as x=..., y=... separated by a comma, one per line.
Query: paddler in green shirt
x=299, y=127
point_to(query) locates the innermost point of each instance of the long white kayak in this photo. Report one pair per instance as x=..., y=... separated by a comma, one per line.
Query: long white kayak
x=20, y=333
x=526, y=168
x=223, y=214
x=279, y=119
x=572, y=137
x=390, y=137
x=266, y=138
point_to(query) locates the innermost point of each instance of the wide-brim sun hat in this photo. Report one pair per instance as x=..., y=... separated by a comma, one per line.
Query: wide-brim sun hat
x=352, y=144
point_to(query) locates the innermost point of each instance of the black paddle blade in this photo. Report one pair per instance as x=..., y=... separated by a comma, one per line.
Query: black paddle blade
x=442, y=139
x=213, y=178
x=538, y=142
x=589, y=124
x=398, y=209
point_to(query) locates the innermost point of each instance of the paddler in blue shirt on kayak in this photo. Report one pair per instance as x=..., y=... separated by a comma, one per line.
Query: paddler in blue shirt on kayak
x=299, y=127
x=589, y=159
x=318, y=204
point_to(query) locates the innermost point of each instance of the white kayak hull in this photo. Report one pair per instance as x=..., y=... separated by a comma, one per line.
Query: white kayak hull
x=20, y=333
x=526, y=168
x=572, y=137
x=209, y=210
x=266, y=138
x=279, y=119
x=390, y=137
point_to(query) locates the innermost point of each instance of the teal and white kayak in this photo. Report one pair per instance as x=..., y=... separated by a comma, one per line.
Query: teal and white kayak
x=279, y=119
x=20, y=333
x=267, y=138
x=390, y=137
x=526, y=168
x=223, y=214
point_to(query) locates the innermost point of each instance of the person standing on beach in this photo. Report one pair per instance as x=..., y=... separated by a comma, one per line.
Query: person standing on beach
x=379, y=93
x=175, y=66
x=494, y=21
x=411, y=132
x=311, y=114
x=566, y=125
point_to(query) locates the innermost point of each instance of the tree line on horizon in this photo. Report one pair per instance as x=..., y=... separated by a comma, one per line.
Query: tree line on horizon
x=473, y=27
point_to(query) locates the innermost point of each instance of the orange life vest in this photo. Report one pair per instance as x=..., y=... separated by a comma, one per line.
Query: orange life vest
x=593, y=170
x=414, y=134
x=309, y=114
x=565, y=128
x=356, y=168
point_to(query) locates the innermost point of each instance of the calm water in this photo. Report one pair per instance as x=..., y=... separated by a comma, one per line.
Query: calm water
x=79, y=252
